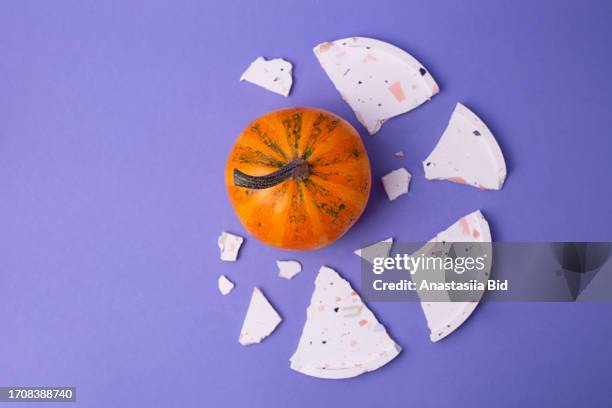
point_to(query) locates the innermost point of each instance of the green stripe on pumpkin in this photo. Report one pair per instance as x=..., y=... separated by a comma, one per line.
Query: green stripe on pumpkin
x=293, y=129
x=266, y=140
x=246, y=154
x=314, y=136
x=331, y=207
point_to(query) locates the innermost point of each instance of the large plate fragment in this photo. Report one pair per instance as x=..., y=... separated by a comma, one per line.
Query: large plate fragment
x=468, y=237
x=273, y=75
x=341, y=338
x=378, y=80
x=260, y=321
x=467, y=153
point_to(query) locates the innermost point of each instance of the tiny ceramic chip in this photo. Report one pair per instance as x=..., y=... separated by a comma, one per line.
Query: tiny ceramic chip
x=225, y=285
x=341, y=338
x=399, y=153
x=378, y=80
x=471, y=233
x=288, y=269
x=260, y=321
x=396, y=183
x=467, y=153
x=273, y=75
x=229, y=244
x=378, y=250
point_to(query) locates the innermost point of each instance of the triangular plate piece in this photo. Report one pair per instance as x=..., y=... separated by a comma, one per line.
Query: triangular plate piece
x=378, y=80
x=341, y=338
x=467, y=153
x=225, y=285
x=471, y=233
x=378, y=250
x=260, y=321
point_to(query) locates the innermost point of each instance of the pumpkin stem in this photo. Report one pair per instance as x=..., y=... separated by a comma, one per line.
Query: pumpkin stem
x=296, y=169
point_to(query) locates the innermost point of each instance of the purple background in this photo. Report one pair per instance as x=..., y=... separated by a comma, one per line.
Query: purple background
x=115, y=123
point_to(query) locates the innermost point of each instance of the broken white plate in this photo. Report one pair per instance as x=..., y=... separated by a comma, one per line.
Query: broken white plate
x=341, y=338
x=260, y=321
x=444, y=317
x=288, y=269
x=225, y=285
x=378, y=250
x=467, y=153
x=229, y=244
x=396, y=183
x=273, y=75
x=378, y=80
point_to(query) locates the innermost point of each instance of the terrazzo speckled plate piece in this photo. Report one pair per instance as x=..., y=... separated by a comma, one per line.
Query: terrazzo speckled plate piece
x=378, y=80
x=341, y=338
x=444, y=317
x=467, y=153
x=260, y=321
x=273, y=75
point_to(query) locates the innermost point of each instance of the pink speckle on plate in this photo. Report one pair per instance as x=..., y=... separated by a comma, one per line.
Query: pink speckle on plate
x=464, y=226
x=459, y=180
x=369, y=57
x=397, y=91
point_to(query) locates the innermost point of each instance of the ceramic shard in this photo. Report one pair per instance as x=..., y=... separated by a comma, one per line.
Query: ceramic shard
x=288, y=269
x=378, y=250
x=396, y=183
x=273, y=75
x=260, y=321
x=467, y=153
x=229, y=244
x=225, y=285
x=469, y=237
x=341, y=338
x=378, y=80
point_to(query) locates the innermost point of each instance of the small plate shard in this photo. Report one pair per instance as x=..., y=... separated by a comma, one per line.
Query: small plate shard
x=378, y=250
x=396, y=183
x=288, y=269
x=399, y=153
x=225, y=285
x=229, y=244
x=273, y=75
x=341, y=338
x=260, y=321
x=444, y=317
x=467, y=153
x=378, y=80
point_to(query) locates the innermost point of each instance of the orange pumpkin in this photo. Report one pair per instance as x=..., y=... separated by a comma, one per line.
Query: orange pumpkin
x=298, y=178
